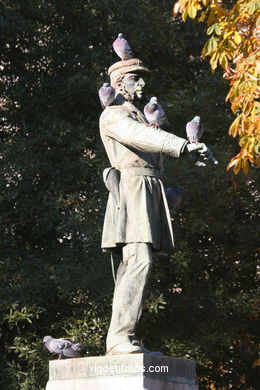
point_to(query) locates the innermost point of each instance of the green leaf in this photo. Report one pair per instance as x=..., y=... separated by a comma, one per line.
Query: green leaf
x=211, y=29
x=210, y=46
x=217, y=29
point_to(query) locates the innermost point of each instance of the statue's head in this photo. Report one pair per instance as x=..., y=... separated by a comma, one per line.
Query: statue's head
x=127, y=77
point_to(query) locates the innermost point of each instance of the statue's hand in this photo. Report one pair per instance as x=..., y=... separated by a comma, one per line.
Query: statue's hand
x=205, y=152
x=198, y=149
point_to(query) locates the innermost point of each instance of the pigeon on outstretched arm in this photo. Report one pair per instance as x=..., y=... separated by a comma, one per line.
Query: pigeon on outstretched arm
x=122, y=48
x=61, y=347
x=106, y=95
x=154, y=113
x=194, y=131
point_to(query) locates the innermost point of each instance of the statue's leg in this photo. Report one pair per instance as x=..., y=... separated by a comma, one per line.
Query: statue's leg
x=128, y=296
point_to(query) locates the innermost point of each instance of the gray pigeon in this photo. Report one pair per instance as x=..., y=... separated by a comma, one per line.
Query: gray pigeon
x=174, y=196
x=106, y=95
x=194, y=130
x=122, y=48
x=154, y=113
x=61, y=347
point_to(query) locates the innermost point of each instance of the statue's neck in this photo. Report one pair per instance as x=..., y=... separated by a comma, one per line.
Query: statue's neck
x=121, y=99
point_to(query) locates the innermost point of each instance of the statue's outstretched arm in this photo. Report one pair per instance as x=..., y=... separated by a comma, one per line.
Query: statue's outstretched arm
x=118, y=123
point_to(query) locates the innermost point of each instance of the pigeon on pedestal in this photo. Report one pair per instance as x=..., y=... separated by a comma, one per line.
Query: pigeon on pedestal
x=61, y=347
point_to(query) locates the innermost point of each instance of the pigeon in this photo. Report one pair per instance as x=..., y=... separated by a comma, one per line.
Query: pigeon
x=194, y=130
x=106, y=95
x=62, y=347
x=122, y=48
x=174, y=196
x=154, y=113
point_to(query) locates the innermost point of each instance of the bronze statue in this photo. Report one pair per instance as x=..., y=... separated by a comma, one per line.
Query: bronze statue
x=138, y=222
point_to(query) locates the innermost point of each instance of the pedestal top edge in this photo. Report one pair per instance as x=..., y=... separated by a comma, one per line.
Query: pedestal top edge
x=140, y=357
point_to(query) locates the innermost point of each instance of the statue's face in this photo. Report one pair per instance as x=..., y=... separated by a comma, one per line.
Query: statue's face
x=134, y=85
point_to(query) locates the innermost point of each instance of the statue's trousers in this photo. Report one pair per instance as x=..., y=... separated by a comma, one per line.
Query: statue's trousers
x=131, y=279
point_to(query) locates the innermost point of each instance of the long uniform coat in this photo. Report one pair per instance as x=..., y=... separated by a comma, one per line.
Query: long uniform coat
x=142, y=214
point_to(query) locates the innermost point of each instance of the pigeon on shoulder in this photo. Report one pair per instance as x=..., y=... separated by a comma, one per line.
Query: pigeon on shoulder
x=154, y=113
x=106, y=95
x=122, y=48
x=62, y=347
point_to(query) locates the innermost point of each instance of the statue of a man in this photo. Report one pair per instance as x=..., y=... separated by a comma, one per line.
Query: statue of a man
x=140, y=221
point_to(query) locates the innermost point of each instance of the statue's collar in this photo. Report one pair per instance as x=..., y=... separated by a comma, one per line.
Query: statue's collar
x=130, y=106
x=135, y=112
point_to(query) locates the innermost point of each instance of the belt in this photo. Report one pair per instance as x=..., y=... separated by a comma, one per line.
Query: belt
x=140, y=171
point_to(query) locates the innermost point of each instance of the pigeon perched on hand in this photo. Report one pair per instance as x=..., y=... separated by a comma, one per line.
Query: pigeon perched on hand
x=106, y=95
x=154, y=113
x=61, y=347
x=122, y=48
x=174, y=196
x=194, y=130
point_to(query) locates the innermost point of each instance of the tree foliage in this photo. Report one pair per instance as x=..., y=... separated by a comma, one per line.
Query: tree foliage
x=234, y=31
x=201, y=300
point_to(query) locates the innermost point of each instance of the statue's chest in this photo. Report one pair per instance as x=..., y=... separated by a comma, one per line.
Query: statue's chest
x=137, y=116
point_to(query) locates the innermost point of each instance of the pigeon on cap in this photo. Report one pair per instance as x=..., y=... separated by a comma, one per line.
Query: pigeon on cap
x=122, y=48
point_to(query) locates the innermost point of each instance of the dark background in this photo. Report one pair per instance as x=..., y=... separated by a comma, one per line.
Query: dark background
x=201, y=300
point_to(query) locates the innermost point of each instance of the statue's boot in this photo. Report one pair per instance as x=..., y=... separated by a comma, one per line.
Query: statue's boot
x=124, y=348
x=137, y=343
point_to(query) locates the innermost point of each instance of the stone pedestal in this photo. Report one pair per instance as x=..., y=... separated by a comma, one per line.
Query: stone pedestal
x=122, y=372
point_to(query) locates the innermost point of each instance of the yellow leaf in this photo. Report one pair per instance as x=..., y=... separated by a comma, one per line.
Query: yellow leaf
x=211, y=17
x=192, y=11
x=235, y=125
x=202, y=16
x=237, y=38
x=176, y=8
x=232, y=163
x=214, y=61
x=226, y=35
x=223, y=61
x=237, y=167
x=184, y=15
x=245, y=166
x=243, y=140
